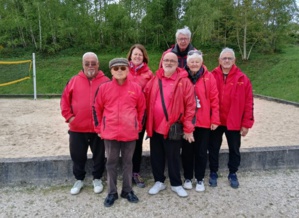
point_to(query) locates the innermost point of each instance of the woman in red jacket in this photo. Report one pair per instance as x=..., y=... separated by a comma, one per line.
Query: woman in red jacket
x=194, y=156
x=141, y=74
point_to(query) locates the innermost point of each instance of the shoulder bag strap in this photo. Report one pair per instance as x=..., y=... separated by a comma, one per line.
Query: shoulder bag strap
x=162, y=99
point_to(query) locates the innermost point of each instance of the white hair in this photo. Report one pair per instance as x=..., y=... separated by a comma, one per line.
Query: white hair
x=90, y=54
x=194, y=56
x=230, y=50
x=185, y=31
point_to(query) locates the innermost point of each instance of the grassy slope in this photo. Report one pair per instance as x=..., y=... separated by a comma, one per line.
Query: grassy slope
x=271, y=75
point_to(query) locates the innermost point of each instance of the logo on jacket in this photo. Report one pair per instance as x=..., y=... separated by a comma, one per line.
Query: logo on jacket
x=131, y=92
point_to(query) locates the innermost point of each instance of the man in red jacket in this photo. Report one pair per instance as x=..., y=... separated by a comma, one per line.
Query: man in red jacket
x=179, y=99
x=76, y=108
x=119, y=110
x=236, y=115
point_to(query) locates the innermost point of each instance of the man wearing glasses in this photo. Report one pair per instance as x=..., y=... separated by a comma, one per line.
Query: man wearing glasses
x=182, y=47
x=236, y=115
x=119, y=110
x=171, y=86
x=76, y=102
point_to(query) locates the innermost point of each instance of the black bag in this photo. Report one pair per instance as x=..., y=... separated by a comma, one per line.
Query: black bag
x=176, y=131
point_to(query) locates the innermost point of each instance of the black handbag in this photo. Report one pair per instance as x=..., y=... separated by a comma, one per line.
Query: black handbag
x=176, y=129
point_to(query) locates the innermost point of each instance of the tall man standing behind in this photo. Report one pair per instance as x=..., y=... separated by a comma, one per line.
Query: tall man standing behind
x=76, y=107
x=236, y=115
x=178, y=95
x=181, y=48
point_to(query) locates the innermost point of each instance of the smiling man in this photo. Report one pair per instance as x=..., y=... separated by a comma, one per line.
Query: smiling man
x=119, y=110
x=181, y=48
x=171, y=86
x=236, y=115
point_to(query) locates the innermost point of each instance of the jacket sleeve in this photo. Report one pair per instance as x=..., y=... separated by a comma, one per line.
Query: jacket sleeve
x=214, y=101
x=189, y=105
x=66, y=101
x=248, y=116
x=141, y=105
x=97, y=110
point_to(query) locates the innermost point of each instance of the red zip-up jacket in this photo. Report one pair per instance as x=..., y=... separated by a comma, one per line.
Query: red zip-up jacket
x=207, y=93
x=141, y=76
x=235, y=98
x=77, y=99
x=182, y=102
x=119, y=110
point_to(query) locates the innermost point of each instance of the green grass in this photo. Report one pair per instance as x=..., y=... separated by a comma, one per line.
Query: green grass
x=274, y=75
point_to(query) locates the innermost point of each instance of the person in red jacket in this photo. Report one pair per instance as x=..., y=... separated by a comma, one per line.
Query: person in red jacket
x=236, y=115
x=141, y=74
x=181, y=48
x=178, y=95
x=118, y=113
x=194, y=156
x=76, y=108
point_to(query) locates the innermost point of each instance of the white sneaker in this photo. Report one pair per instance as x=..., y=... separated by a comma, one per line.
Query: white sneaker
x=179, y=190
x=77, y=187
x=97, y=186
x=200, y=186
x=188, y=184
x=159, y=186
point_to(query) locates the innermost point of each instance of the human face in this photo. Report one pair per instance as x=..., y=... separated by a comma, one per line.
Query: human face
x=169, y=64
x=90, y=66
x=120, y=73
x=194, y=64
x=226, y=61
x=137, y=56
x=182, y=41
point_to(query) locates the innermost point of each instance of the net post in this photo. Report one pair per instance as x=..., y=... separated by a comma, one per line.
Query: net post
x=34, y=76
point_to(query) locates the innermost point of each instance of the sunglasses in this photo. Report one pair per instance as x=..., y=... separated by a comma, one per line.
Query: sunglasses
x=87, y=64
x=116, y=68
x=194, y=52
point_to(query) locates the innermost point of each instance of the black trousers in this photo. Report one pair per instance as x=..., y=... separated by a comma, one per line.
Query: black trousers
x=194, y=155
x=161, y=150
x=78, y=144
x=234, y=143
x=138, y=152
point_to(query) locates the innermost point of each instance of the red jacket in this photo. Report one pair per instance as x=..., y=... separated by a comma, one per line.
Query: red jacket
x=235, y=99
x=181, y=102
x=77, y=99
x=207, y=93
x=119, y=110
x=140, y=75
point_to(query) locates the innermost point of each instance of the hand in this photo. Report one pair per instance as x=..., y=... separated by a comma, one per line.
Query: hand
x=99, y=135
x=214, y=126
x=71, y=119
x=244, y=131
x=189, y=137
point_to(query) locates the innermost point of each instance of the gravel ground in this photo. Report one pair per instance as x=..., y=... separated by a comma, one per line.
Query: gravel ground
x=273, y=193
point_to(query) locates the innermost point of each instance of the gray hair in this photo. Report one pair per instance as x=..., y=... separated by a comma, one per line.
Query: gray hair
x=194, y=55
x=90, y=53
x=230, y=50
x=185, y=31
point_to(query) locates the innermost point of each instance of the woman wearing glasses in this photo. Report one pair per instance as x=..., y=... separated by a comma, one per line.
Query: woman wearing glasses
x=141, y=74
x=194, y=156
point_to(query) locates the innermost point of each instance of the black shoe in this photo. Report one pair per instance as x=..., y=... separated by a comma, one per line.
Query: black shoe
x=109, y=200
x=130, y=196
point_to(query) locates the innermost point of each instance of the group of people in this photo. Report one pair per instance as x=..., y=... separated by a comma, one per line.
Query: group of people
x=112, y=116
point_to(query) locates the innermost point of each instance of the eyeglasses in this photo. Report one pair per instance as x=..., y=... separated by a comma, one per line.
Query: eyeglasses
x=169, y=61
x=194, y=52
x=116, y=68
x=227, y=58
x=87, y=64
x=182, y=39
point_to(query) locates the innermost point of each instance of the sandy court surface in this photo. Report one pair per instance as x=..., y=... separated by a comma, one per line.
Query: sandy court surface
x=35, y=128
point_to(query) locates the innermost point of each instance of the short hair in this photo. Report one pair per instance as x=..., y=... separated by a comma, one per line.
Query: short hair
x=184, y=31
x=194, y=55
x=90, y=53
x=227, y=50
x=142, y=49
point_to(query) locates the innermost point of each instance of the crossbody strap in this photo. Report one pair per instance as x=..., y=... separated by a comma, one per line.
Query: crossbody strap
x=162, y=99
